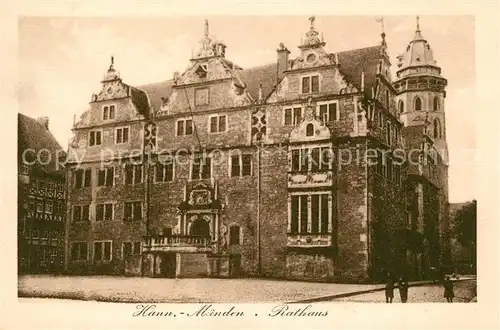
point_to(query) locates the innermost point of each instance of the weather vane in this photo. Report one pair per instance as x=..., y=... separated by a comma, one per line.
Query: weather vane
x=312, y=18
x=381, y=21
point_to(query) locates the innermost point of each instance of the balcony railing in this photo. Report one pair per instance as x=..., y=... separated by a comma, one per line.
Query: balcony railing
x=178, y=243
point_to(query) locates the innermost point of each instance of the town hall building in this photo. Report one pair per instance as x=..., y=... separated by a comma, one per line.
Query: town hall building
x=299, y=169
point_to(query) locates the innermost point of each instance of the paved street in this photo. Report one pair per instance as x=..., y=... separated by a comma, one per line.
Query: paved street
x=135, y=289
x=464, y=292
x=203, y=290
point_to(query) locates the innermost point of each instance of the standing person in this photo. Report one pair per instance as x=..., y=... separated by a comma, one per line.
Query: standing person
x=403, y=289
x=448, y=289
x=389, y=289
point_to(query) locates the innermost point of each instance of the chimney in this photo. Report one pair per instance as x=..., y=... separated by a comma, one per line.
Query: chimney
x=283, y=53
x=44, y=121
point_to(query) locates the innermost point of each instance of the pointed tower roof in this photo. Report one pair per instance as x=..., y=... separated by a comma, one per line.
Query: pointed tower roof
x=418, y=53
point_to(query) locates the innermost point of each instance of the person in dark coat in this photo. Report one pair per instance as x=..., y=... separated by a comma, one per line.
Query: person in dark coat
x=389, y=289
x=448, y=289
x=403, y=289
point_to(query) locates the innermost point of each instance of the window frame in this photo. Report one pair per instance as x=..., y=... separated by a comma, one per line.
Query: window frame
x=103, y=242
x=418, y=98
x=132, y=249
x=133, y=206
x=106, y=172
x=133, y=183
x=122, y=128
x=295, y=219
x=240, y=165
x=104, y=218
x=108, y=109
x=292, y=108
x=310, y=87
x=191, y=164
x=80, y=243
x=184, y=127
x=155, y=174
x=218, y=116
x=327, y=103
x=239, y=236
x=95, y=131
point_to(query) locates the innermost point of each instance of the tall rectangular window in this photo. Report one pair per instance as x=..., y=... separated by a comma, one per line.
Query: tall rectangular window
x=132, y=211
x=79, y=251
x=295, y=214
x=295, y=160
x=106, y=177
x=315, y=160
x=303, y=214
x=201, y=168
x=329, y=111
x=131, y=249
x=184, y=127
x=325, y=212
x=133, y=174
x=310, y=84
x=218, y=124
x=315, y=213
x=241, y=165
x=83, y=178
x=164, y=172
x=293, y=115
x=122, y=135
x=95, y=138
x=234, y=235
x=104, y=212
x=102, y=251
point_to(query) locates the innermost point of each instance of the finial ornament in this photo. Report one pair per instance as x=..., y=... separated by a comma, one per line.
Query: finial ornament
x=381, y=21
x=312, y=19
x=206, y=27
x=418, y=23
x=112, y=62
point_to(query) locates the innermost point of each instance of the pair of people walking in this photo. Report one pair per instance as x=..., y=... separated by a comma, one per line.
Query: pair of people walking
x=402, y=286
x=449, y=294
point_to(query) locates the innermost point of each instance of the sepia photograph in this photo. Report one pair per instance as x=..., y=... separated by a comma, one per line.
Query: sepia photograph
x=295, y=159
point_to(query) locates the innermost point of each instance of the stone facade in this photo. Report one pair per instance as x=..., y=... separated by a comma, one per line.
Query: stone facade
x=258, y=172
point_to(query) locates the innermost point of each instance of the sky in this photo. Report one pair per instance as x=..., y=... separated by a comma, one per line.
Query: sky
x=62, y=61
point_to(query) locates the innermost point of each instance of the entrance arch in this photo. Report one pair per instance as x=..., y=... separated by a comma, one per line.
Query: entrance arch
x=200, y=227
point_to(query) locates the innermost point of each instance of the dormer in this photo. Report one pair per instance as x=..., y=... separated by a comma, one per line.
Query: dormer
x=311, y=128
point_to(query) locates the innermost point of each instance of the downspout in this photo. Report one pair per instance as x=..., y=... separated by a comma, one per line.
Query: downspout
x=259, y=264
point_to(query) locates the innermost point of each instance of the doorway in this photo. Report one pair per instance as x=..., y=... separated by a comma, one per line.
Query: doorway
x=234, y=265
x=168, y=263
x=200, y=228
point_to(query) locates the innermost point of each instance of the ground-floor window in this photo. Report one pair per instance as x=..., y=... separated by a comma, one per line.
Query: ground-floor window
x=79, y=251
x=131, y=249
x=234, y=235
x=309, y=213
x=102, y=251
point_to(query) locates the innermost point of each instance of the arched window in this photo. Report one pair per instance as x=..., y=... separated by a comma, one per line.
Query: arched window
x=435, y=104
x=401, y=106
x=418, y=103
x=437, y=129
x=309, y=130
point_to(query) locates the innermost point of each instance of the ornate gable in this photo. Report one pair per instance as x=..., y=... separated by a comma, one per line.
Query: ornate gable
x=310, y=128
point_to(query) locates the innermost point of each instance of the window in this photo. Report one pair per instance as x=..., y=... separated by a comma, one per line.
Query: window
x=435, y=103
x=380, y=119
x=388, y=132
x=31, y=203
x=379, y=168
x=310, y=84
x=401, y=106
x=102, y=251
x=418, y=103
x=106, y=177
x=314, y=159
x=329, y=112
x=293, y=115
x=108, y=112
x=83, y=178
x=299, y=214
x=202, y=71
x=387, y=98
x=389, y=169
x=132, y=211
x=184, y=127
x=95, y=138
x=58, y=207
x=437, y=129
x=81, y=213
x=201, y=168
x=234, y=235
x=131, y=249
x=24, y=169
x=310, y=130
x=397, y=173
x=164, y=172
x=122, y=135
x=218, y=124
x=49, y=207
x=39, y=205
x=79, y=251
x=241, y=165
x=104, y=212
x=133, y=174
